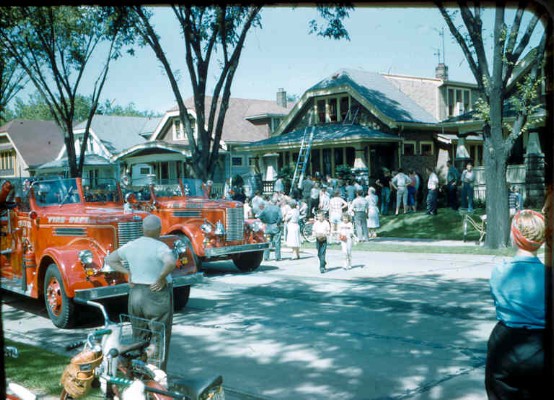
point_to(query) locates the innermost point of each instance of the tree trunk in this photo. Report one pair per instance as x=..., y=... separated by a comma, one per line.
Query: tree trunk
x=498, y=221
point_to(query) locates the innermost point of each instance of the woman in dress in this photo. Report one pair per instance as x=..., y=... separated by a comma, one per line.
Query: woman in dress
x=372, y=212
x=293, y=229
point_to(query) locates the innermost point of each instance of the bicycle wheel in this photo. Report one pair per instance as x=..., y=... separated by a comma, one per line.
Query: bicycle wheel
x=307, y=232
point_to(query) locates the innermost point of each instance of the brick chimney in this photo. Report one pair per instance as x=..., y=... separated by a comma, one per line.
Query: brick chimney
x=441, y=72
x=282, y=98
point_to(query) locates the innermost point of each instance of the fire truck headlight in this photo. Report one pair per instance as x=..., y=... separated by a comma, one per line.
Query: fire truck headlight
x=256, y=226
x=85, y=256
x=179, y=248
x=206, y=228
x=219, y=229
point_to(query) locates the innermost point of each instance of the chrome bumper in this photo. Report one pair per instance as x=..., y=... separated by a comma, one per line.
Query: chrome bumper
x=240, y=248
x=122, y=289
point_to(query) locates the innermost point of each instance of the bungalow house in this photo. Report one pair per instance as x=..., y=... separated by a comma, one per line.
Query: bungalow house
x=27, y=144
x=167, y=150
x=370, y=121
x=108, y=136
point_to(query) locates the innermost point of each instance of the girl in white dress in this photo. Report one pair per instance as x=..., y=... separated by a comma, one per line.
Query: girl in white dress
x=293, y=229
x=346, y=233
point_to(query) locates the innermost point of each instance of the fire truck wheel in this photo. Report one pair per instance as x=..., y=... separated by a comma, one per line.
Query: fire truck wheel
x=60, y=307
x=180, y=297
x=247, y=262
x=186, y=241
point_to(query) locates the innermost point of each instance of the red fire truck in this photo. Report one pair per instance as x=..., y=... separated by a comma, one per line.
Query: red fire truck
x=55, y=235
x=216, y=229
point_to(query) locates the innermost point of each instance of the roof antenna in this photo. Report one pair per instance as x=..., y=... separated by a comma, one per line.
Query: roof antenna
x=438, y=52
x=441, y=34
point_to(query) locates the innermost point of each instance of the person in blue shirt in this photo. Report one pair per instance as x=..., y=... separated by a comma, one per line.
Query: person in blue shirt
x=515, y=367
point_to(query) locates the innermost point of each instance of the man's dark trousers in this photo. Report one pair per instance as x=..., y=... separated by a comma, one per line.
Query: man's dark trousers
x=432, y=201
x=321, y=247
x=275, y=239
x=453, y=196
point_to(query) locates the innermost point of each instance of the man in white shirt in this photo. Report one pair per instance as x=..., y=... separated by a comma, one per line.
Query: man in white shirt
x=400, y=183
x=324, y=199
x=433, y=192
x=151, y=262
x=257, y=200
x=337, y=205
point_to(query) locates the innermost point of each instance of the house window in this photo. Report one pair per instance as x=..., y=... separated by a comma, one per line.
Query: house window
x=409, y=148
x=320, y=111
x=476, y=154
x=236, y=161
x=426, y=148
x=179, y=129
x=178, y=133
x=332, y=110
x=275, y=122
x=458, y=101
x=344, y=107
x=144, y=171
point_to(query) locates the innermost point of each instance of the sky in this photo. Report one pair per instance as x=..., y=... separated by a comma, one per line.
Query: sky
x=282, y=54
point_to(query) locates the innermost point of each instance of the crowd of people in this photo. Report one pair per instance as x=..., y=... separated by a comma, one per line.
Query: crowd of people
x=354, y=202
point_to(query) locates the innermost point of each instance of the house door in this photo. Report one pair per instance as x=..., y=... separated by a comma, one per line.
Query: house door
x=382, y=155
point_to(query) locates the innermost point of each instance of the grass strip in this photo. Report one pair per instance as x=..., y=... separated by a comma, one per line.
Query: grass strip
x=37, y=369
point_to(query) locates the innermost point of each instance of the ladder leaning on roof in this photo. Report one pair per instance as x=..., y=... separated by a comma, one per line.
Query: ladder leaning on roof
x=303, y=157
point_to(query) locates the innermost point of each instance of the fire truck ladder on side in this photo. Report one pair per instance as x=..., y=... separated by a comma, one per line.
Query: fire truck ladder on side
x=303, y=157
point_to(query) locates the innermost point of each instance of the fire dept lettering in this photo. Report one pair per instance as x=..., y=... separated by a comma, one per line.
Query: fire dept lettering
x=78, y=220
x=71, y=220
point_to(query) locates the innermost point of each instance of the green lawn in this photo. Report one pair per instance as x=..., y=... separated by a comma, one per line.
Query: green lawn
x=446, y=225
x=36, y=369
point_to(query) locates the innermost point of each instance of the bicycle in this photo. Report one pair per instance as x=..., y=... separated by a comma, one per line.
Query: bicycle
x=125, y=356
x=306, y=229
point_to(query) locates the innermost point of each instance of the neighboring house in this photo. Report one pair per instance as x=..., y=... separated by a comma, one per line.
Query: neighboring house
x=368, y=121
x=526, y=163
x=108, y=137
x=168, y=151
x=26, y=144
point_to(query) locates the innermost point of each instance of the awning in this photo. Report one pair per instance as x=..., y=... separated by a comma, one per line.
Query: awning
x=324, y=135
x=448, y=138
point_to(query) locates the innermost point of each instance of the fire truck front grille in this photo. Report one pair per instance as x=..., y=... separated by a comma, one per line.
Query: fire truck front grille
x=127, y=231
x=235, y=224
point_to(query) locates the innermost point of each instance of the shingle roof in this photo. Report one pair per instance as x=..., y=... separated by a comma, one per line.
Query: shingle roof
x=36, y=141
x=380, y=92
x=119, y=133
x=90, y=160
x=326, y=133
x=236, y=127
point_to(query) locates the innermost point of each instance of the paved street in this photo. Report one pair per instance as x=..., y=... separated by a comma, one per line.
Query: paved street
x=396, y=326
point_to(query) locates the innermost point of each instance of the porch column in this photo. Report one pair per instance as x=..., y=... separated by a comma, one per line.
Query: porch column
x=462, y=155
x=359, y=161
x=270, y=162
x=333, y=167
x=368, y=149
x=534, y=172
